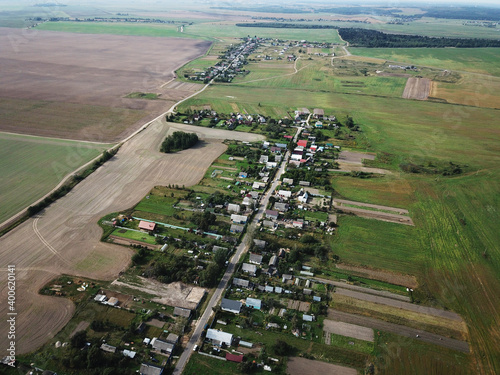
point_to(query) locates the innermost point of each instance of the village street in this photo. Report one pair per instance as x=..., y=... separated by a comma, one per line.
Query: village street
x=241, y=249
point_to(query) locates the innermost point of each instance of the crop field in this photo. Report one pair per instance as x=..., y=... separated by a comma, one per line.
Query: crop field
x=32, y=166
x=78, y=82
x=66, y=235
x=223, y=29
x=378, y=244
x=157, y=30
x=472, y=90
x=387, y=190
x=477, y=60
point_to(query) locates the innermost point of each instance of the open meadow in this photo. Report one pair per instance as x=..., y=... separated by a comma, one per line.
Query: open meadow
x=32, y=166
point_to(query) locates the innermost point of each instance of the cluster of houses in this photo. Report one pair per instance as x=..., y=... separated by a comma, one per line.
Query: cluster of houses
x=230, y=65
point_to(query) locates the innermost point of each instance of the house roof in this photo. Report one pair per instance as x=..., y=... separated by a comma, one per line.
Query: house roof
x=241, y=282
x=182, y=312
x=108, y=348
x=302, y=143
x=281, y=206
x=252, y=268
x=223, y=337
x=234, y=357
x=307, y=318
x=172, y=338
x=230, y=305
x=255, y=258
x=149, y=369
x=272, y=213
x=319, y=111
x=146, y=225
x=254, y=302
x=260, y=243
x=162, y=345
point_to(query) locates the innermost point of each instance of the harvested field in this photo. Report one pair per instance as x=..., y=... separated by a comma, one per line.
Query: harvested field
x=430, y=323
x=365, y=290
x=399, y=216
x=389, y=277
x=400, y=211
x=399, y=304
x=67, y=237
x=432, y=338
x=352, y=157
x=417, y=88
x=72, y=85
x=348, y=329
x=301, y=366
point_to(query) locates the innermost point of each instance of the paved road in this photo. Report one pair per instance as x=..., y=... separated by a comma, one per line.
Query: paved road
x=241, y=249
x=400, y=330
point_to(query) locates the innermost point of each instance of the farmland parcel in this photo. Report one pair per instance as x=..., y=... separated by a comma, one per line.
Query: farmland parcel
x=74, y=85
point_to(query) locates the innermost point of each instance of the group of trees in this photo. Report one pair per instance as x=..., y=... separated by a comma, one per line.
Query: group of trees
x=376, y=39
x=281, y=25
x=179, y=141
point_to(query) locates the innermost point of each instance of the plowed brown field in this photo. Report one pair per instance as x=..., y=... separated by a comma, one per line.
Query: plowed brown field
x=65, y=238
x=74, y=85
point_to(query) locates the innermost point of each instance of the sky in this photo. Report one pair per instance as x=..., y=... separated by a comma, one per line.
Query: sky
x=391, y=3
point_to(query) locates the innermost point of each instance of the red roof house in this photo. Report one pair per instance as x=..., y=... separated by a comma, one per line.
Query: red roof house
x=302, y=143
x=234, y=357
x=147, y=225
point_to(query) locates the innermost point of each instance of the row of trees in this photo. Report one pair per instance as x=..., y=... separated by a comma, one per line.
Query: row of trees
x=280, y=25
x=376, y=39
x=179, y=141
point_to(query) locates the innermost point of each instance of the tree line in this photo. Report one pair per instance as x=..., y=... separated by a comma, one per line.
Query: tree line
x=179, y=141
x=281, y=25
x=376, y=39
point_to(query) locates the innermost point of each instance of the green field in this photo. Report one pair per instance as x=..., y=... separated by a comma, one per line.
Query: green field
x=160, y=30
x=224, y=29
x=378, y=244
x=32, y=166
x=478, y=60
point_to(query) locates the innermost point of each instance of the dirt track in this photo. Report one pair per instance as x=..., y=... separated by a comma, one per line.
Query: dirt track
x=417, y=88
x=432, y=338
x=74, y=85
x=301, y=366
x=66, y=239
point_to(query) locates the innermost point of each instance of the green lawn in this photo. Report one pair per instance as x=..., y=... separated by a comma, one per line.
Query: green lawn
x=32, y=166
x=133, y=235
x=478, y=60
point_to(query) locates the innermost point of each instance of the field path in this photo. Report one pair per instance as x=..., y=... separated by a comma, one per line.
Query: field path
x=65, y=237
x=400, y=330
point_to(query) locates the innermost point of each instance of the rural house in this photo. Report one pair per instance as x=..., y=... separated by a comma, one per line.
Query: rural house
x=230, y=306
x=219, y=338
x=149, y=369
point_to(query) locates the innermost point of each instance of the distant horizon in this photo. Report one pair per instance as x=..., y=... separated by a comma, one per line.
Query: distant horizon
x=394, y=4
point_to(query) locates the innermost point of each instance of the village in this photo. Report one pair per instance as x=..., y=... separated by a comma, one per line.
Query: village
x=185, y=237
